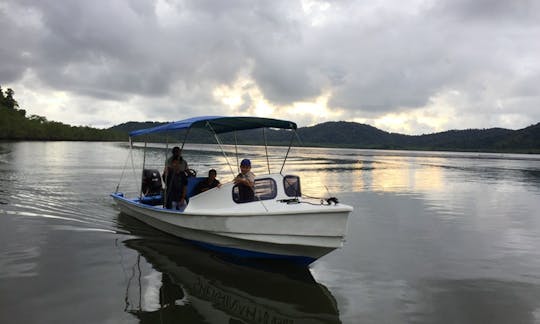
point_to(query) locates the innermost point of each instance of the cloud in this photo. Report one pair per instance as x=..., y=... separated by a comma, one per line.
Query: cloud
x=473, y=61
x=489, y=11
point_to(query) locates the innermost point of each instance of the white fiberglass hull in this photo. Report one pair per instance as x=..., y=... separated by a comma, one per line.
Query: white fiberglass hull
x=297, y=231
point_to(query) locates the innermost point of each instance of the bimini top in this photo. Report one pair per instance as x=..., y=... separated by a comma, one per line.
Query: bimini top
x=218, y=124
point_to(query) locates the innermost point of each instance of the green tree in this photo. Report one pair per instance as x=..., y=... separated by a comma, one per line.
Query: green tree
x=9, y=101
x=14, y=125
x=39, y=119
x=2, y=98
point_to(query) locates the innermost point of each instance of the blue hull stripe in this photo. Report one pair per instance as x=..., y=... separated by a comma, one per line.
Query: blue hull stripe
x=302, y=260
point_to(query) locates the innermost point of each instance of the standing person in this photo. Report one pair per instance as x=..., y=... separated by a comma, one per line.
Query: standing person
x=246, y=182
x=176, y=154
x=176, y=185
x=208, y=183
x=180, y=170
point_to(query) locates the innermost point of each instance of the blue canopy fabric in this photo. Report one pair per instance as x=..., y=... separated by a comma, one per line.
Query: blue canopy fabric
x=218, y=124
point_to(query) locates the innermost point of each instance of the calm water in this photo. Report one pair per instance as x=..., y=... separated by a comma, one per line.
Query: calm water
x=434, y=238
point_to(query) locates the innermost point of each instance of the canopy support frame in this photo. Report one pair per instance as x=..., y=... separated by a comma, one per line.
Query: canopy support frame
x=220, y=146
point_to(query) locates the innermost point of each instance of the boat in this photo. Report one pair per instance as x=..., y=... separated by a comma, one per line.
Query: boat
x=279, y=223
x=198, y=285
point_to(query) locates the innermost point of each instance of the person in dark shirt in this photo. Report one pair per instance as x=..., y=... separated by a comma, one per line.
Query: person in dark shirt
x=176, y=185
x=208, y=183
x=176, y=156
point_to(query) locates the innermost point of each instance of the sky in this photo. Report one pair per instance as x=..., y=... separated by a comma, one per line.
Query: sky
x=412, y=67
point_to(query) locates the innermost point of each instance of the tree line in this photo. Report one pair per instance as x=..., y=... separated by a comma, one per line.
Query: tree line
x=15, y=125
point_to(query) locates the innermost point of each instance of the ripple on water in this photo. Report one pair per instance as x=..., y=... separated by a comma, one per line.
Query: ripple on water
x=19, y=262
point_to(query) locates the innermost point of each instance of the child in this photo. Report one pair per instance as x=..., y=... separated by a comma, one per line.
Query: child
x=208, y=183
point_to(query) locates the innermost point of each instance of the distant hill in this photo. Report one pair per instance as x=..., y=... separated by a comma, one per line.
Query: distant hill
x=355, y=135
x=527, y=139
x=15, y=125
x=346, y=134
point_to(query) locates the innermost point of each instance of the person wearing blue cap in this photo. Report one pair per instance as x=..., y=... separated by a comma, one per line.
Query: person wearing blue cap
x=246, y=182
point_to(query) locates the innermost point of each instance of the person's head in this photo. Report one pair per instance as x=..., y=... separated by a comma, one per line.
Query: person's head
x=245, y=165
x=212, y=174
x=176, y=151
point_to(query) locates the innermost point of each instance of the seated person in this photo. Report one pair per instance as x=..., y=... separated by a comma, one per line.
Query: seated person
x=246, y=182
x=208, y=183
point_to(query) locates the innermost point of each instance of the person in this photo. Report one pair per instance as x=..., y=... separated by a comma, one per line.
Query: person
x=176, y=154
x=176, y=181
x=208, y=183
x=245, y=181
x=181, y=167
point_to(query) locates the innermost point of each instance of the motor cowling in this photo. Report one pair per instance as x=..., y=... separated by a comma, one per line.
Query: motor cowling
x=151, y=182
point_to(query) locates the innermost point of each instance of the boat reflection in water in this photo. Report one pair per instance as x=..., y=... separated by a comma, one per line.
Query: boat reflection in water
x=201, y=286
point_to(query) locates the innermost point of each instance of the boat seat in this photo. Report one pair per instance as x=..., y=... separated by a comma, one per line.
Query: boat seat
x=152, y=200
x=192, y=186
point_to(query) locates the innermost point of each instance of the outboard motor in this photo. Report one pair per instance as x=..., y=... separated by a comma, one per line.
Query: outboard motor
x=152, y=187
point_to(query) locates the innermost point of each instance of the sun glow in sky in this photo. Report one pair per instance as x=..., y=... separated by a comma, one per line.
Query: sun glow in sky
x=244, y=95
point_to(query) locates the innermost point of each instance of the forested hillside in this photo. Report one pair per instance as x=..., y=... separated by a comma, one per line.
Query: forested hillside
x=15, y=125
x=355, y=135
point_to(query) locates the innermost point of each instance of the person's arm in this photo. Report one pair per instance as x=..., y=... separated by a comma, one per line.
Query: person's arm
x=237, y=179
x=242, y=180
x=204, y=186
x=250, y=179
x=245, y=182
x=166, y=169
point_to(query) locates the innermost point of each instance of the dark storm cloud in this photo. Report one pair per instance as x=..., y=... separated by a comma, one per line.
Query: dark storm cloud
x=499, y=11
x=121, y=46
x=99, y=49
x=372, y=58
x=286, y=78
x=118, y=47
x=13, y=61
x=407, y=59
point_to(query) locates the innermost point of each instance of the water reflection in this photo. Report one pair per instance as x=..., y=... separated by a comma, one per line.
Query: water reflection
x=327, y=171
x=418, y=171
x=5, y=173
x=198, y=286
x=478, y=301
x=434, y=238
